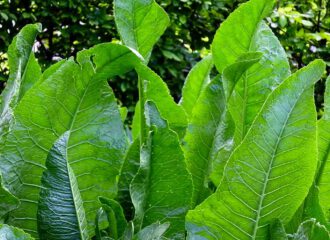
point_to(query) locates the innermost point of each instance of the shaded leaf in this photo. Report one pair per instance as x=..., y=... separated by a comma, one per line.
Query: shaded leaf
x=9, y=232
x=310, y=230
x=61, y=214
x=155, y=191
x=153, y=232
x=8, y=202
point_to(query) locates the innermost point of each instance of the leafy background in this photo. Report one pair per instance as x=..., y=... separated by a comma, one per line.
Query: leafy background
x=303, y=28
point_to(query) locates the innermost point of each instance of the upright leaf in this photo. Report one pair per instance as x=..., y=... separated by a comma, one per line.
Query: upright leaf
x=269, y=174
x=237, y=34
x=154, y=231
x=157, y=91
x=72, y=97
x=9, y=232
x=140, y=24
x=155, y=191
x=323, y=175
x=24, y=72
x=196, y=81
x=61, y=214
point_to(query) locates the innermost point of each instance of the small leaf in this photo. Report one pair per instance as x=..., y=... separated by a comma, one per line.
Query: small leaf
x=153, y=232
x=310, y=230
x=277, y=231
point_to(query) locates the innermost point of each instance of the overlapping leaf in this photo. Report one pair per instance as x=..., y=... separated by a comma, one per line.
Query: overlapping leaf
x=61, y=214
x=162, y=188
x=269, y=174
x=72, y=97
x=9, y=232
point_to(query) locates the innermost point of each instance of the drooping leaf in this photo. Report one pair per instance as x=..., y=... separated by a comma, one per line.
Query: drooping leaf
x=155, y=191
x=128, y=171
x=74, y=97
x=12, y=233
x=61, y=214
x=24, y=72
x=323, y=176
x=269, y=174
x=157, y=91
x=236, y=35
x=310, y=230
x=140, y=24
x=8, y=202
x=197, y=79
x=153, y=232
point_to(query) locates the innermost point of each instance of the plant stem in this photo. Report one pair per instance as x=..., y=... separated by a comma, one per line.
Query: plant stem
x=143, y=127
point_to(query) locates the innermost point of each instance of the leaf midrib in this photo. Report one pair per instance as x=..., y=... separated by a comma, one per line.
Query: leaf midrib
x=260, y=206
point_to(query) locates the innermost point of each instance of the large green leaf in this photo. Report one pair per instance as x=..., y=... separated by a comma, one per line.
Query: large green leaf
x=156, y=90
x=12, y=233
x=269, y=174
x=77, y=98
x=197, y=79
x=140, y=23
x=236, y=35
x=323, y=175
x=162, y=188
x=61, y=214
x=24, y=72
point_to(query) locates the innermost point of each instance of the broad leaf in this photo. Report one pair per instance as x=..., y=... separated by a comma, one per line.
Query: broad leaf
x=155, y=191
x=61, y=214
x=323, y=175
x=12, y=233
x=236, y=35
x=156, y=90
x=140, y=24
x=74, y=97
x=197, y=79
x=310, y=230
x=24, y=72
x=269, y=174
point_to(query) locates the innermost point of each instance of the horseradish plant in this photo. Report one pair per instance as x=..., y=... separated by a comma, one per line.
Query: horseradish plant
x=242, y=156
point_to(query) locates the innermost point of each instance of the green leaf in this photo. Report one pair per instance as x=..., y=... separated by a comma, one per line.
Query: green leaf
x=128, y=171
x=8, y=201
x=155, y=191
x=157, y=91
x=153, y=232
x=277, y=231
x=136, y=121
x=61, y=214
x=203, y=138
x=196, y=81
x=76, y=98
x=12, y=233
x=269, y=174
x=116, y=217
x=140, y=24
x=123, y=113
x=236, y=35
x=24, y=72
x=323, y=176
x=310, y=230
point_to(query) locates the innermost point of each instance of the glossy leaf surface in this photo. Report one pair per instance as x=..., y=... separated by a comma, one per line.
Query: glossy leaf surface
x=61, y=214
x=269, y=174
